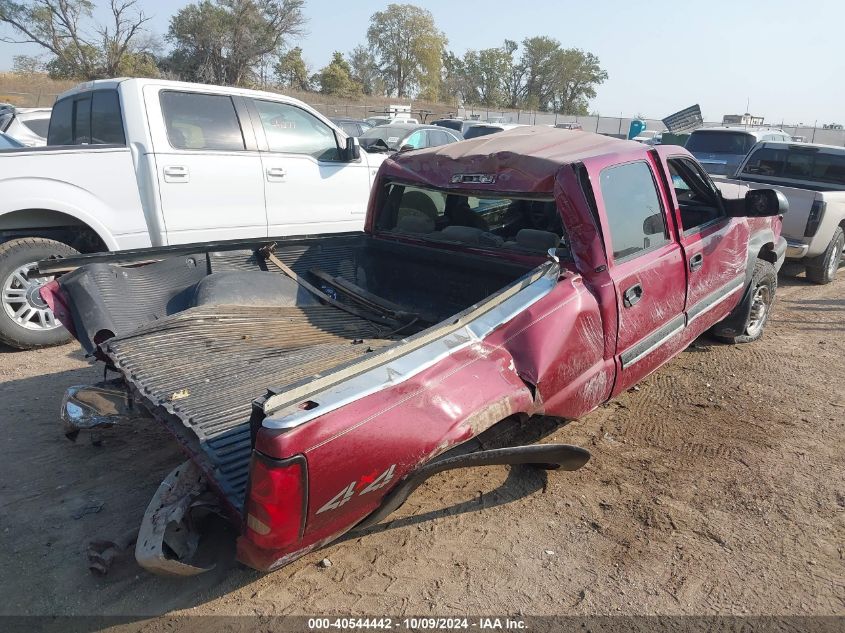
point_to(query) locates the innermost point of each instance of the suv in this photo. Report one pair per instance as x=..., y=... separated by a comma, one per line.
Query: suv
x=720, y=150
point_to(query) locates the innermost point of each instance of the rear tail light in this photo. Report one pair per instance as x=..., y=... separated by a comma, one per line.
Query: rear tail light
x=276, y=501
x=815, y=219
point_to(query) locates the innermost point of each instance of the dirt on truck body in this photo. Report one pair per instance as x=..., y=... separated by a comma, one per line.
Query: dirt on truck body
x=316, y=382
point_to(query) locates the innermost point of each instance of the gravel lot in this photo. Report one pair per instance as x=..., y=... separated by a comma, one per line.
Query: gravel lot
x=716, y=487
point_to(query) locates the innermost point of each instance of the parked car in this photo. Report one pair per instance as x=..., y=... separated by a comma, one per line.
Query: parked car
x=721, y=149
x=396, y=137
x=7, y=142
x=375, y=121
x=812, y=177
x=649, y=137
x=569, y=126
x=352, y=127
x=484, y=129
x=453, y=124
x=27, y=125
x=138, y=162
x=315, y=382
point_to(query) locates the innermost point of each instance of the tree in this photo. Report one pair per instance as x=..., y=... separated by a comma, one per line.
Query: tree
x=336, y=78
x=226, y=41
x=27, y=65
x=485, y=74
x=80, y=47
x=292, y=72
x=578, y=73
x=409, y=49
x=365, y=70
x=539, y=56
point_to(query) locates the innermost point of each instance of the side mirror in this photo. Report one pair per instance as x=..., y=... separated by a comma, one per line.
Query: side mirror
x=758, y=203
x=352, y=149
x=761, y=203
x=654, y=224
x=406, y=148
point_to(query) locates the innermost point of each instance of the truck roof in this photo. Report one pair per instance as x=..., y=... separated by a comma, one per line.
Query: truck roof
x=112, y=84
x=827, y=149
x=524, y=159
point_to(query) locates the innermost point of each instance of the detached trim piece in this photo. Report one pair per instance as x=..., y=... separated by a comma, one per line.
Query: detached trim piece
x=651, y=342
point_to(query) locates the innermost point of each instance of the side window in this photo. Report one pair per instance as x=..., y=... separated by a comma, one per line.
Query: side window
x=697, y=199
x=436, y=138
x=416, y=140
x=294, y=131
x=61, y=123
x=106, y=120
x=633, y=209
x=201, y=121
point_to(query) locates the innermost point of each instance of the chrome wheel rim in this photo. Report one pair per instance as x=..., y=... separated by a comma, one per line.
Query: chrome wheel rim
x=759, y=310
x=833, y=265
x=24, y=305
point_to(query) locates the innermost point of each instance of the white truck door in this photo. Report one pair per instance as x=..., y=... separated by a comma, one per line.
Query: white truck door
x=309, y=188
x=209, y=172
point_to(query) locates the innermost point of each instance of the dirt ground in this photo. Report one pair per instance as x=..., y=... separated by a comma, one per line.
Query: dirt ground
x=717, y=487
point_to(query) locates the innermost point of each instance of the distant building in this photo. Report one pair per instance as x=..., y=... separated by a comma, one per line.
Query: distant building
x=742, y=119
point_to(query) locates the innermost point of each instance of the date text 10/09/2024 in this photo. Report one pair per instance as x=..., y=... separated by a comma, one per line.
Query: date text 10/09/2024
x=416, y=624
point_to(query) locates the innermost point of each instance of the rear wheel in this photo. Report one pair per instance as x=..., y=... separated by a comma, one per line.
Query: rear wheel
x=26, y=320
x=757, y=306
x=822, y=269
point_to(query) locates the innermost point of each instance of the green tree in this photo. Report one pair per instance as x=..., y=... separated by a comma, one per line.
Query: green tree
x=577, y=75
x=365, y=70
x=292, y=72
x=226, y=41
x=539, y=56
x=409, y=50
x=336, y=78
x=27, y=65
x=79, y=46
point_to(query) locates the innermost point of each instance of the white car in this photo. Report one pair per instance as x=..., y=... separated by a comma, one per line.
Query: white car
x=141, y=162
x=27, y=125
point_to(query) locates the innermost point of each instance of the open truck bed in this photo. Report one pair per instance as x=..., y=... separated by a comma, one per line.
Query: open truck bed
x=198, y=336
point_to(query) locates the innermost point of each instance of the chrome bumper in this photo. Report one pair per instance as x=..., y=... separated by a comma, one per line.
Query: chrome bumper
x=796, y=250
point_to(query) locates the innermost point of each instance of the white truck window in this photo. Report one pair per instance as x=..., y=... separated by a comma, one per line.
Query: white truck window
x=91, y=118
x=197, y=121
x=633, y=209
x=292, y=130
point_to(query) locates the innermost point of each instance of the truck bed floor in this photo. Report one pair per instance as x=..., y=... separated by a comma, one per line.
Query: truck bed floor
x=200, y=370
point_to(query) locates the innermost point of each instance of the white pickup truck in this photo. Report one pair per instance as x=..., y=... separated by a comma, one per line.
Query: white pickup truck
x=132, y=163
x=812, y=177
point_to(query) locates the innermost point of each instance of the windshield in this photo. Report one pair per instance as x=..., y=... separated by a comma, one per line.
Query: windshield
x=390, y=136
x=721, y=142
x=524, y=225
x=807, y=164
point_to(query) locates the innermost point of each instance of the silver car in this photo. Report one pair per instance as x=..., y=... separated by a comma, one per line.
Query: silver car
x=27, y=125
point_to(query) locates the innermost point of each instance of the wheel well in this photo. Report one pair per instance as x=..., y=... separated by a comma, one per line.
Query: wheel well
x=768, y=253
x=52, y=225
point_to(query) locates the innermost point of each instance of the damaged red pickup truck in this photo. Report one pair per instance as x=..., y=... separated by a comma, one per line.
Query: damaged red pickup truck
x=315, y=382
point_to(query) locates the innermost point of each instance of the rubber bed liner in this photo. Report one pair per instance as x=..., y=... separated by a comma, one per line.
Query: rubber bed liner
x=200, y=370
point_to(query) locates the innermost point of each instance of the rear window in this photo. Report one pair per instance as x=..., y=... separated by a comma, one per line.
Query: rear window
x=522, y=225
x=721, y=142
x=797, y=163
x=93, y=118
x=481, y=130
x=201, y=121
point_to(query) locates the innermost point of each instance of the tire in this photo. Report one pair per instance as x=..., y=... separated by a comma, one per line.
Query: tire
x=25, y=320
x=822, y=269
x=756, y=308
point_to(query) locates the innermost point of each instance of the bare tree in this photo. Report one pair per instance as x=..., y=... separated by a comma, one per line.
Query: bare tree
x=80, y=46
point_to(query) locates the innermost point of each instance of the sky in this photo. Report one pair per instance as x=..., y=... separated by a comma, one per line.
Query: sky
x=784, y=58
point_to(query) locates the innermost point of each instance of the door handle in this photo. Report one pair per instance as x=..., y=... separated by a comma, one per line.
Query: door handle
x=632, y=295
x=696, y=262
x=276, y=173
x=176, y=173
